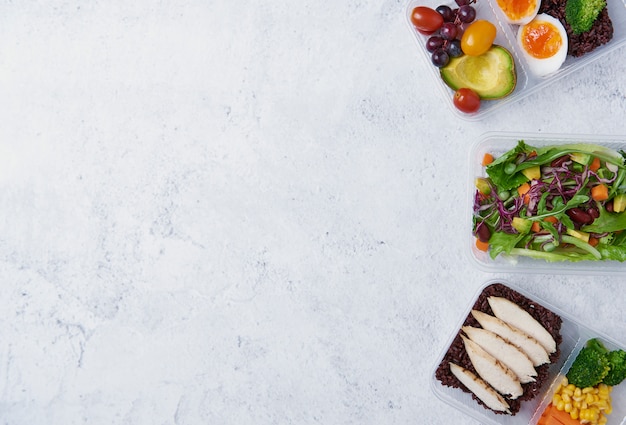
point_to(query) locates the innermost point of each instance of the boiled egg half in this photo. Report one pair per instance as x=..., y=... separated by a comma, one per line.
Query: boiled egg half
x=543, y=42
x=519, y=12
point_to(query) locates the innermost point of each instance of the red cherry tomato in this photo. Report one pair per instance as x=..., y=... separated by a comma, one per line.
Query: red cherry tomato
x=478, y=38
x=426, y=20
x=466, y=100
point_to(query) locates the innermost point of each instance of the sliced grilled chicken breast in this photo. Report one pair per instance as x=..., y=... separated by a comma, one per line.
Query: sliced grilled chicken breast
x=480, y=388
x=501, y=378
x=507, y=353
x=529, y=345
x=519, y=318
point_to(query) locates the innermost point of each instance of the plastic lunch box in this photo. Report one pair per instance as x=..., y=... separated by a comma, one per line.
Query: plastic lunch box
x=498, y=143
x=575, y=335
x=527, y=83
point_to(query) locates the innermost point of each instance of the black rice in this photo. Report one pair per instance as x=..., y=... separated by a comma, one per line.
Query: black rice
x=457, y=354
x=600, y=33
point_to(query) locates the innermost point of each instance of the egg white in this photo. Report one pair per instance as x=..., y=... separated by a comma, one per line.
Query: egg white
x=542, y=67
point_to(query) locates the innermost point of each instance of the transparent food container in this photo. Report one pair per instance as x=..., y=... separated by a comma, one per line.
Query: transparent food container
x=574, y=336
x=527, y=82
x=497, y=143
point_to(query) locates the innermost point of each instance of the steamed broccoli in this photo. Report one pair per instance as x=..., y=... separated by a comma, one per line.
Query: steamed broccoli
x=617, y=365
x=590, y=366
x=581, y=14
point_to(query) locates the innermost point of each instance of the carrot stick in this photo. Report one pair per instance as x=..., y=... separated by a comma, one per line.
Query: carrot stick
x=487, y=159
x=551, y=219
x=600, y=192
x=553, y=416
x=595, y=164
x=523, y=192
x=483, y=246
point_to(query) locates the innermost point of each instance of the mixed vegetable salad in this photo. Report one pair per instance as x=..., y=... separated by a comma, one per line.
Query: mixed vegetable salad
x=555, y=203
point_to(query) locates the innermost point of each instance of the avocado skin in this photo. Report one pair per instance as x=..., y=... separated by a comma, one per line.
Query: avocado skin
x=506, y=75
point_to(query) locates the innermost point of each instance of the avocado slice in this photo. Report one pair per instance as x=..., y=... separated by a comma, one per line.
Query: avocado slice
x=491, y=75
x=482, y=184
x=619, y=203
x=532, y=173
x=581, y=158
x=522, y=225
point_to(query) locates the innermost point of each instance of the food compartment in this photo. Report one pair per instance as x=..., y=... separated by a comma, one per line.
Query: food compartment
x=496, y=144
x=616, y=10
x=580, y=339
x=527, y=81
x=503, y=38
x=570, y=335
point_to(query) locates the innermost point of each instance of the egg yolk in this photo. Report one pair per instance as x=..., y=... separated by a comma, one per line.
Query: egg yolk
x=518, y=9
x=541, y=39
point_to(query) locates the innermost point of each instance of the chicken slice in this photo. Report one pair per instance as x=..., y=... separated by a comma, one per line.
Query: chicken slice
x=519, y=318
x=480, y=388
x=529, y=345
x=508, y=354
x=501, y=378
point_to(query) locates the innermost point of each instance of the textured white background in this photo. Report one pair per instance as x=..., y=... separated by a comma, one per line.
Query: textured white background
x=236, y=212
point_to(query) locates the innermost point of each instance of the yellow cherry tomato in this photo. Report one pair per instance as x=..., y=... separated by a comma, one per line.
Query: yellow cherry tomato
x=478, y=38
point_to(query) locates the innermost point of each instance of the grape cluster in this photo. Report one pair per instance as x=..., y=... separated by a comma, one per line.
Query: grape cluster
x=445, y=42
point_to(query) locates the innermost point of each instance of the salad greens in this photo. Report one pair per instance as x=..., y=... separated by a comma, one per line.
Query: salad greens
x=556, y=203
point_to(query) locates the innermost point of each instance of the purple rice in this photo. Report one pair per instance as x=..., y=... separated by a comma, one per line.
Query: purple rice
x=457, y=354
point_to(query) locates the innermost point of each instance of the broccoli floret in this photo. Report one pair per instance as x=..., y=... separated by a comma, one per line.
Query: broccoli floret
x=581, y=14
x=590, y=366
x=617, y=365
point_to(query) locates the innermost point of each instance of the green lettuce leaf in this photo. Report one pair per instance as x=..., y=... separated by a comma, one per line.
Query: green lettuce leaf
x=606, y=222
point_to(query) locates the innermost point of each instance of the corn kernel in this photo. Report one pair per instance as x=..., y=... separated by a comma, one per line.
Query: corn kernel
x=568, y=407
x=560, y=405
x=573, y=413
x=587, y=390
x=566, y=397
x=583, y=415
x=578, y=392
x=589, y=398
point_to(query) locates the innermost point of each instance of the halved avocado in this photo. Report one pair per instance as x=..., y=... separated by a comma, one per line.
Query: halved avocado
x=491, y=75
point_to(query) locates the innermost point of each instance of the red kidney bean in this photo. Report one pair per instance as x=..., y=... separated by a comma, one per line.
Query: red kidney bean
x=593, y=213
x=609, y=206
x=483, y=233
x=559, y=161
x=579, y=216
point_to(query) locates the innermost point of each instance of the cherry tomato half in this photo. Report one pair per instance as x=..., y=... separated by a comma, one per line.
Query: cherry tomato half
x=466, y=100
x=478, y=38
x=426, y=20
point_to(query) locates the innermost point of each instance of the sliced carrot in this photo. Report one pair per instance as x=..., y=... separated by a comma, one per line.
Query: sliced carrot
x=551, y=219
x=593, y=241
x=523, y=189
x=553, y=416
x=487, y=159
x=595, y=164
x=600, y=192
x=523, y=192
x=535, y=227
x=483, y=246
